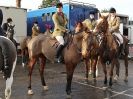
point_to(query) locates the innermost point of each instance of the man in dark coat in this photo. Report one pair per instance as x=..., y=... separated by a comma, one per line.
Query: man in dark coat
x=6, y=25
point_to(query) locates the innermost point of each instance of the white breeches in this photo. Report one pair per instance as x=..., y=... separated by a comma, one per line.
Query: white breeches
x=119, y=36
x=60, y=39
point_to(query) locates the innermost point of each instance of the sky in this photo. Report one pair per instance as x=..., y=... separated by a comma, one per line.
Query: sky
x=122, y=6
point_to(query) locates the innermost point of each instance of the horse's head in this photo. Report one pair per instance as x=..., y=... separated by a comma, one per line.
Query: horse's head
x=102, y=25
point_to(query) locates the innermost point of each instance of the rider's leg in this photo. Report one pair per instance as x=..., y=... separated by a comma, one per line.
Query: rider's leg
x=60, y=47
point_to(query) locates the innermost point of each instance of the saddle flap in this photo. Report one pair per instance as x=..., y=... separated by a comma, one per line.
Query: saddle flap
x=53, y=42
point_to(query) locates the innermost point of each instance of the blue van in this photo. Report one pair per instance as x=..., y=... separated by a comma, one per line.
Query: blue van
x=74, y=12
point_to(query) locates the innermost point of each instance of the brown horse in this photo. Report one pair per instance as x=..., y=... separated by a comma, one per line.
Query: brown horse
x=92, y=56
x=24, y=45
x=24, y=49
x=45, y=47
x=110, y=50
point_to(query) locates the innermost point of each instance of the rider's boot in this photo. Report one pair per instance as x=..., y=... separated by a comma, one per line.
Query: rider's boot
x=122, y=47
x=58, y=53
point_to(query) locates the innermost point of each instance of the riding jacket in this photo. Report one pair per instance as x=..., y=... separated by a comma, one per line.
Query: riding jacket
x=60, y=21
x=114, y=24
x=90, y=24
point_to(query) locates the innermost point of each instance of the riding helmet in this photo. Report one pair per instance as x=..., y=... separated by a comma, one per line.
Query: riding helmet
x=92, y=12
x=112, y=10
x=9, y=20
x=59, y=5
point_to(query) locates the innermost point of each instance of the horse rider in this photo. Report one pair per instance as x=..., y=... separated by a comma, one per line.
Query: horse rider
x=90, y=23
x=6, y=25
x=1, y=19
x=114, y=23
x=60, y=22
x=35, y=29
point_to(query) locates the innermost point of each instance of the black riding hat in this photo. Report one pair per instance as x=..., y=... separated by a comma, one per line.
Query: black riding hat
x=112, y=10
x=59, y=5
x=35, y=22
x=92, y=12
x=9, y=20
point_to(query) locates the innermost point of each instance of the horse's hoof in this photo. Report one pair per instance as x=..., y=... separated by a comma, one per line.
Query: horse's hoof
x=96, y=73
x=45, y=88
x=126, y=80
x=30, y=92
x=94, y=79
x=23, y=65
x=116, y=78
x=69, y=97
x=105, y=88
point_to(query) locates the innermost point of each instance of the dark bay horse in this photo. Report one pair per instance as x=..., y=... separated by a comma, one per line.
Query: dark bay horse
x=110, y=50
x=45, y=47
x=8, y=58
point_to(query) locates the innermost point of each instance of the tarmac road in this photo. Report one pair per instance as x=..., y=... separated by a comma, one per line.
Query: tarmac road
x=55, y=77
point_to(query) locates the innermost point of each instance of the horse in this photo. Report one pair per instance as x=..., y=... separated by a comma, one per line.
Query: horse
x=8, y=58
x=45, y=47
x=10, y=34
x=24, y=45
x=24, y=49
x=110, y=50
x=92, y=56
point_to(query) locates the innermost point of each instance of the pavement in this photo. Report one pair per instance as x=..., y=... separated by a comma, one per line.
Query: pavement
x=55, y=77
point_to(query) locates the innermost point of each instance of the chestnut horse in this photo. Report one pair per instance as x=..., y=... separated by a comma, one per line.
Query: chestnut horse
x=92, y=56
x=8, y=58
x=110, y=50
x=45, y=47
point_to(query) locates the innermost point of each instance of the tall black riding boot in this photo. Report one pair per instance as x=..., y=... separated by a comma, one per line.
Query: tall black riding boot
x=58, y=53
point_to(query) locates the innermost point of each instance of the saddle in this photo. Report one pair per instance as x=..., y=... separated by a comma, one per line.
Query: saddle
x=53, y=42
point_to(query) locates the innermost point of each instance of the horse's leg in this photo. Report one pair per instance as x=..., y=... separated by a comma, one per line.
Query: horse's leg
x=111, y=72
x=41, y=70
x=70, y=70
x=86, y=61
x=94, y=67
x=31, y=66
x=105, y=73
x=126, y=61
x=23, y=58
x=117, y=64
x=9, y=81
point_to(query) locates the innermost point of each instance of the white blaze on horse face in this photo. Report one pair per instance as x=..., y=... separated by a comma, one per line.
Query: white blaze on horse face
x=9, y=81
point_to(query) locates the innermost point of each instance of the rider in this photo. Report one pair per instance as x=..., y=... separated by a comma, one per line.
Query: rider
x=60, y=22
x=90, y=23
x=114, y=23
x=35, y=29
x=6, y=25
